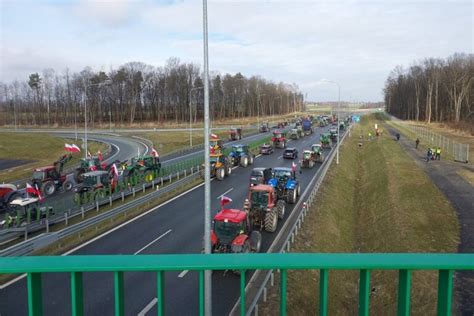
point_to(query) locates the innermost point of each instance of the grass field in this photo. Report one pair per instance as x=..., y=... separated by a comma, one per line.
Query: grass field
x=40, y=148
x=375, y=200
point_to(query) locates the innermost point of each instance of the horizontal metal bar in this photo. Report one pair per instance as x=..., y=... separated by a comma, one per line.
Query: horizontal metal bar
x=196, y=262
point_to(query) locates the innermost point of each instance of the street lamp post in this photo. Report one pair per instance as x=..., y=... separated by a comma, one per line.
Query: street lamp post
x=84, y=99
x=337, y=113
x=191, y=115
x=207, y=168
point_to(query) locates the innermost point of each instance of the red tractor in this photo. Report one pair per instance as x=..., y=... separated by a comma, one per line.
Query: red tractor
x=278, y=139
x=232, y=233
x=49, y=179
x=235, y=134
x=264, y=208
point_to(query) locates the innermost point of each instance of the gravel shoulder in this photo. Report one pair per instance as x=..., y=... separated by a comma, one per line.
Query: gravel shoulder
x=459, y=191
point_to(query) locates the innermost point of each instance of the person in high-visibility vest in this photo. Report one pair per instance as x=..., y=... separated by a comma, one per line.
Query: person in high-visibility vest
x=438, y=153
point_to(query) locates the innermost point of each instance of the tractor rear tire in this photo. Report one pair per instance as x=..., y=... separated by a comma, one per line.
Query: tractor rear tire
x=271, y=220
x=255, y=241
x=298, y=191
x=291, y=196
x=244, y=161
x=220, y=174
x=48, y=188
x=228, y=170
x=281, y=209
x=67, y=185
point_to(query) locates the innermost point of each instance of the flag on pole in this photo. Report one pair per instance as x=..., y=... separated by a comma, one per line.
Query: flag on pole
x=115, y=170
x=75, y=148
x=39, y=193
x=67, y=147
x=225, y=200
x=33, y=190
x=214, y=136
x=99, y=155
x=154, y=153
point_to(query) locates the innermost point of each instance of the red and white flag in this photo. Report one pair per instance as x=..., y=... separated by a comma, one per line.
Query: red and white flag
x=154, y=153
x=75, y=148
x=33, y=190
x=293, y=166
x=99, y=155
x=115, y=170
x=225, y=200
x=214, y=136
x=67, y=147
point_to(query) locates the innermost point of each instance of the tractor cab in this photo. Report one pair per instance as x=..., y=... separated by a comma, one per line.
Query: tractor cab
x=317, y=148
x=45, y=173
x=307, y=154
x=92, y=164
x=235, y=134
x=26, y=209
x=93, y=180
x=277, y=134
x=231, y=233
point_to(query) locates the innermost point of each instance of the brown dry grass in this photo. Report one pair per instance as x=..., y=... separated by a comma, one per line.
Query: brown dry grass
x=375, y=200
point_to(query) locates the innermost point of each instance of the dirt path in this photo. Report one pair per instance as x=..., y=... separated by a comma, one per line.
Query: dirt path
x=460, y=193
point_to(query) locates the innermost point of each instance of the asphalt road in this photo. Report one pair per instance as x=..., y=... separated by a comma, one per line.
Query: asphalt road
x=174, y=227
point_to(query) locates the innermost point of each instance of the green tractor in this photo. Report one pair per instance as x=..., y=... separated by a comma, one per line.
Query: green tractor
x=93, y=187
x=317, y=149
x=293, y=134
x=325, y=139
x=147, y=166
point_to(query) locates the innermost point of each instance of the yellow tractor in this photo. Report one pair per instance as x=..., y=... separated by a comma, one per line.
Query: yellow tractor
x=220, y=166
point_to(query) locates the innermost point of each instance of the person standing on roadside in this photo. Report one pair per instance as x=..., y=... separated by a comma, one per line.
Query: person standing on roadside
x=438, y=153
x=417, y=142
x=429, y=155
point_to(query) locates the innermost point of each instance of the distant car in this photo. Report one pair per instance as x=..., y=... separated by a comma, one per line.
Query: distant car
x=290, y=153
x=266, y=149
x=260, y=176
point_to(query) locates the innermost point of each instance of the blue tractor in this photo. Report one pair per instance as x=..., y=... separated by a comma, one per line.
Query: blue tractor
x=285, y=184
x=241, y=155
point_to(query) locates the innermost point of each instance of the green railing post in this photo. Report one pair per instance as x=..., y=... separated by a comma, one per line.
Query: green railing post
x=35, y=298
x=445, y=292
x=160, y=295
x=364, y=286
x=283, y=292
x=201, y=293
x=242, y=292
x=323, y=292
x=77, y=292
x=404, y=286
x=119, y=295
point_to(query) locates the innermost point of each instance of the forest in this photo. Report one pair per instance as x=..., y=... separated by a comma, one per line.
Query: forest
x=433, y=89
x=137, y=92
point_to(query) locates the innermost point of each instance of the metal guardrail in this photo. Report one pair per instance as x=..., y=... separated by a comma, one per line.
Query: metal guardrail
x=287, y=234
x=158, y=265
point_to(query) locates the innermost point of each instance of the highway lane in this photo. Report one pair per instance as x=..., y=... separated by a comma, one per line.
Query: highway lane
x=184, y=217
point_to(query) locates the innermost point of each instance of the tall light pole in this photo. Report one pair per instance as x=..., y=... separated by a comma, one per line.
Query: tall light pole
x=337, y=113
x=84, y=99
x=207, y=169
x=191, y=116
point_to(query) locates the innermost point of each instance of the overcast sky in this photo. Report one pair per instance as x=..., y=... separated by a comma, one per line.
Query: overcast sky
x=355, y=43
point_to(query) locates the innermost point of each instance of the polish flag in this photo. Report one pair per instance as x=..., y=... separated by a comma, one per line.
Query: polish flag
x=214, y=136
x=33, y=190
x=225, y=200
x=99, y=155
x=293, y=166
x=154, y=153
x=115, y=170
x=75, y=148
x=67, y=147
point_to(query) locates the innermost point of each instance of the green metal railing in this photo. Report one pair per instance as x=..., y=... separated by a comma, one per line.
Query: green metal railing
x=445, y=264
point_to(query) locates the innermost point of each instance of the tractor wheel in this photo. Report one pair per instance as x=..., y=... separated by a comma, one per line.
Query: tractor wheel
x=48, y=188
x=148, y=176
x=281, y=209
x=220, y=174
x=251, y=159
x=255, y=241
x=271, y=220
x=228, y=170
x=298, y=191
x=244, y=161
x=67, y=185
x=291, y=196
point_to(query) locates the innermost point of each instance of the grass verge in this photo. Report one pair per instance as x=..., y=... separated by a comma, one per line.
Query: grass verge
x=375, y=200
x=41, y=149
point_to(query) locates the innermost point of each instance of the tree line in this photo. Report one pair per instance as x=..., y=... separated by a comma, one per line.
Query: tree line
x=138, y=92
x=433, y=89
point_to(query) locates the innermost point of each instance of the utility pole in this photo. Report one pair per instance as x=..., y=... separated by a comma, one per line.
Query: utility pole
x=207, y=169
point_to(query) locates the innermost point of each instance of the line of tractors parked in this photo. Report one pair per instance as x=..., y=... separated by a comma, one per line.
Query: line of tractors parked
x=270, y=189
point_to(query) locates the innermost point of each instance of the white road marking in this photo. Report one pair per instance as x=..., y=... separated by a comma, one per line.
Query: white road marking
x=152, y=242
x=182, y=274
x=148, y=307
x=224, y=193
